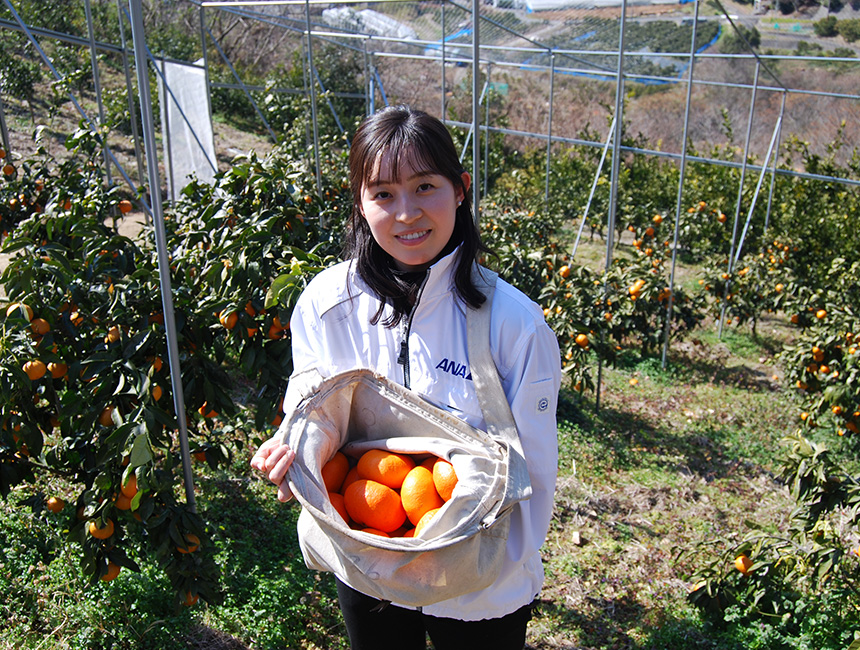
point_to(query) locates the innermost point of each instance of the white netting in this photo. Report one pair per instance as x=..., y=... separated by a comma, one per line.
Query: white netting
x=186, y=124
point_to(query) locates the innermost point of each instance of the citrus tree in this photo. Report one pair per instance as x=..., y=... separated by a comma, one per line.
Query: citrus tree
x=86, y=391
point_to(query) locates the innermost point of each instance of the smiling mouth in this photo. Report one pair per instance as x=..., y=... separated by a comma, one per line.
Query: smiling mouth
x=413, y=235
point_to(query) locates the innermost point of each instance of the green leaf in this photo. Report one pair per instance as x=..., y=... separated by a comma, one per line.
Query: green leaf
x=140, y=451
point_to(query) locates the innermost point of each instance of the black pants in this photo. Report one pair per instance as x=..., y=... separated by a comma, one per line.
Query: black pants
x=376, y=626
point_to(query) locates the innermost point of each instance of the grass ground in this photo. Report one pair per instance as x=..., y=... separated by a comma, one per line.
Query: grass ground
x=682, y=457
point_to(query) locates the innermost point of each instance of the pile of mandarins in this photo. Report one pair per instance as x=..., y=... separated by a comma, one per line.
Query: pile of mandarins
x=387, y=493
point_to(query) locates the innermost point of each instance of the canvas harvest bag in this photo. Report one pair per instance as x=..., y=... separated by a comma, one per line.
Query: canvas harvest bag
x=463, y=547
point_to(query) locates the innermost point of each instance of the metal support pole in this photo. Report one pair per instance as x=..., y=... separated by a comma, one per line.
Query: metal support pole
x=368, y=82
x=476, y=105
x=312, y=86
x=773, y=168
x=97, y=86
x=372, y=93
x=613, y=191
x=678, y=205
x=138, y=38
x=443, y=115
x=487, y=99
x=132, y=109
x=754, y=200
x=206, y=69
x=593, y=187
x=730, y=266
x=4, y=132
x=549, y=126
x=166, y=139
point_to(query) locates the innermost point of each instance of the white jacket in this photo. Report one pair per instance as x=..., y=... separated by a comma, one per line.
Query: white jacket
x=331, y=332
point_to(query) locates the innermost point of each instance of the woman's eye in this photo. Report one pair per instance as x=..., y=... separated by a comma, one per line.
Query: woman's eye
x=382, y=195
x=424, y=187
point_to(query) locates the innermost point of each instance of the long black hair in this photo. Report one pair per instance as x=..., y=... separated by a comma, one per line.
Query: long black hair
x=410, y=135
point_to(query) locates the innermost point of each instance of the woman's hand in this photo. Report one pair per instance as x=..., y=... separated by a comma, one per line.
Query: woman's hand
x=273, y=459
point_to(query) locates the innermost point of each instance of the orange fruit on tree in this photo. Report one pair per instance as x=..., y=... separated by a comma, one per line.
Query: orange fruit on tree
x=564, y=271
x=228, y=319
x=157, y=392
x=444, y=478
x=385, y=467
x=275, y=333
x=582, y=340
x=129, y=488
x=111, y=572
x=657, y=219
x=58, y=369
x=334, y=471
x=192, y=543
x=100, y=532
x=207, y=412
x=113, y=335
x=122, y=502
x=336, y=499
x=8, y=169
x=373, y=504
x=22, y=309
x=35, y=369
x=190, y=599
x=743, y=563
x=106, y=416
x=418, y=494
x=821, y=314
x=55, y=504
x=125, y=206
x=40, y=326
x=422, y=523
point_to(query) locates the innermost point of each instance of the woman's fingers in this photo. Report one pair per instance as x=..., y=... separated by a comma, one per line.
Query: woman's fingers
x=284, y=493
x=273, y=459
x=278, y=463
x=258, y=461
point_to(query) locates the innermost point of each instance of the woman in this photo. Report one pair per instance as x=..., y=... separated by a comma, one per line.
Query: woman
x=397, y=306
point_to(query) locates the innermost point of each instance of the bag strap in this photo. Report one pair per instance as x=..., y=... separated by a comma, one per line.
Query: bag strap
x=488, y=386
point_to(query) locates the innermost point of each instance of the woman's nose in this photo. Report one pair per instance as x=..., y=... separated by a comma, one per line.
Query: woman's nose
x=407, y=210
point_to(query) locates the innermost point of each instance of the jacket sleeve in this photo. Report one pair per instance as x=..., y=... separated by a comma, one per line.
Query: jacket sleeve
x=307, y=346
x=532, y=385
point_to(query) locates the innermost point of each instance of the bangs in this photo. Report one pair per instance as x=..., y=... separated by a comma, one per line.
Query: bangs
x=398, y=153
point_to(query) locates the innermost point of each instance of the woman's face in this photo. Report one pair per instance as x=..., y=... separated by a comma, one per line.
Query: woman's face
x=411, y=219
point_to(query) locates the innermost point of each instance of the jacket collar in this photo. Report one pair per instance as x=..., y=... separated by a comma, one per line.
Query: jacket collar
x=440, y=276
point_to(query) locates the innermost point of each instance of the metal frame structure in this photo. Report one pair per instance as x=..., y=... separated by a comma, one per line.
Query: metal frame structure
x=479, y=56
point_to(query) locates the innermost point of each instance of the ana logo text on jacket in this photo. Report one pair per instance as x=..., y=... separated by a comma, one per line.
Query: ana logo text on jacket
x=454, y=368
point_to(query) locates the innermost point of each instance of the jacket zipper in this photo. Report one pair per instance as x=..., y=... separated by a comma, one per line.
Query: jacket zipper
x=403, y=357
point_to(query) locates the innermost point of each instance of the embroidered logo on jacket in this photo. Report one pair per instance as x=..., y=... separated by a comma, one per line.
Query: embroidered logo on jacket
x=454, y=368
